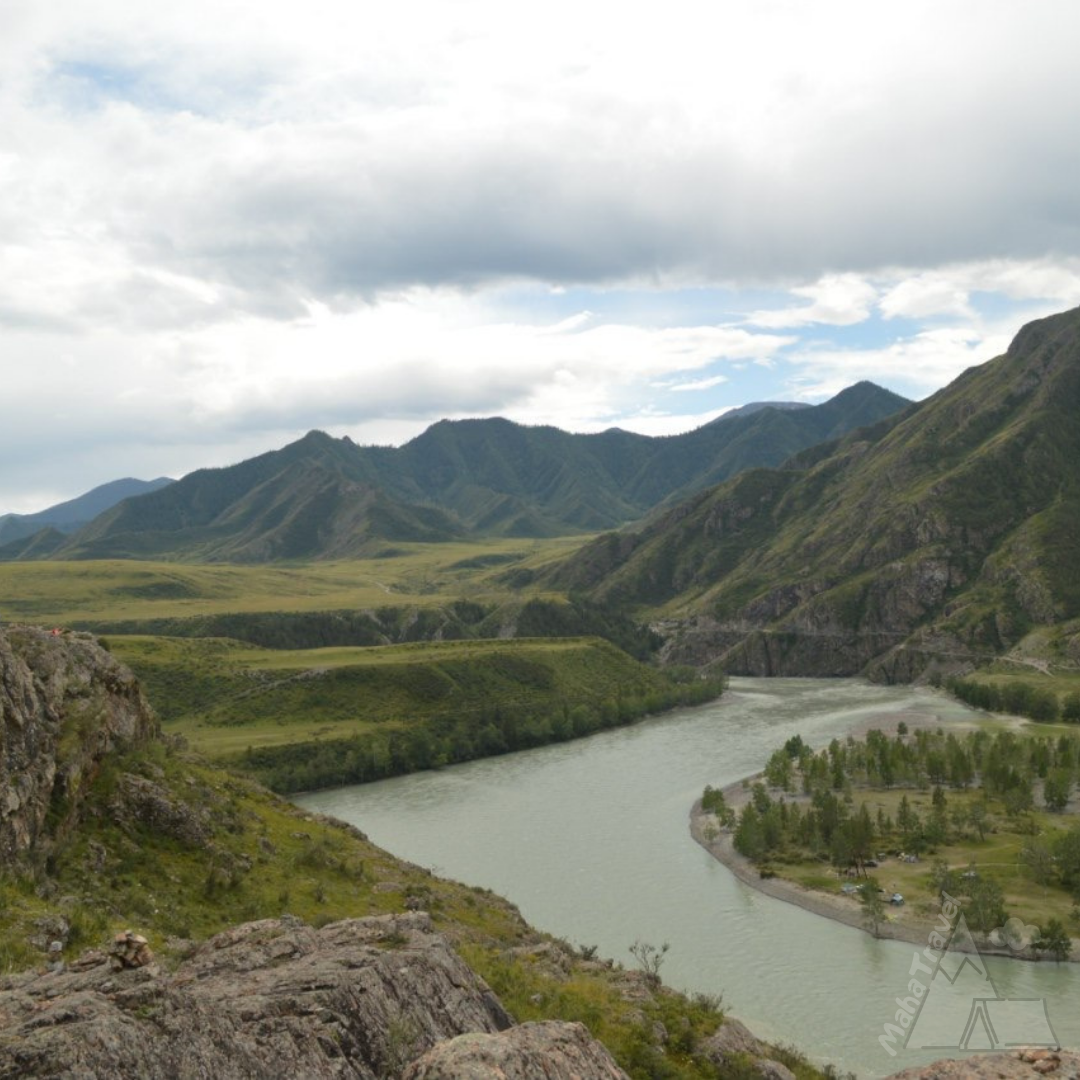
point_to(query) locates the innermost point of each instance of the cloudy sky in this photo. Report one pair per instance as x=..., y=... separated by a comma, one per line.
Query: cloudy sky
x=225, y=223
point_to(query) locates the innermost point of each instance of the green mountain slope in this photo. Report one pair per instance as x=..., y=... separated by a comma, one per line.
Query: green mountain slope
x=492, y=472
x=947, y=533
x=329, y=498
x=313, y=499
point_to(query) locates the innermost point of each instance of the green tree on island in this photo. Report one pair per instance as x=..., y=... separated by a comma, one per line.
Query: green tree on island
x=873, y=906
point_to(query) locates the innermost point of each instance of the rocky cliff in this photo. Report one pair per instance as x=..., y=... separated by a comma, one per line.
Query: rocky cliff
x=65, y=706
x=359, y=998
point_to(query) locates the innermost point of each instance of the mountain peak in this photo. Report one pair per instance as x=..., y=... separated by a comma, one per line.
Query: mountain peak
x=316, y=437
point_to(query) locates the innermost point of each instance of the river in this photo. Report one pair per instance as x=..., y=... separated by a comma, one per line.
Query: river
x=590, y=840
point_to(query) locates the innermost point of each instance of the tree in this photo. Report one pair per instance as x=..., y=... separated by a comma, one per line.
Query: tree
x=985, y=909
x=749, y=836
x=1070, y=708
x=942, y=879
x=1018, y=799
x=1038, y=860
x=873, y=907
x=1056, y=789
x=713, y=802
x=778, y=771
x=650, y=959
x=860, y=830
x=1054, y=939
x=979, y=817
x=906, y=818
x=795, y=746
x=1066, y=848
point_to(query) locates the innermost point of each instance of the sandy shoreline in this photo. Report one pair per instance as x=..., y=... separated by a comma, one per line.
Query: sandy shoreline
x=900, y=924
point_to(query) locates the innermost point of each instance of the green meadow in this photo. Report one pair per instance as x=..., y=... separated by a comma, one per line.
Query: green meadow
x=114, y=590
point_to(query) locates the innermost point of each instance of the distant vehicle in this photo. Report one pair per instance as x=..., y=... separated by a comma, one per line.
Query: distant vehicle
x=896, y=899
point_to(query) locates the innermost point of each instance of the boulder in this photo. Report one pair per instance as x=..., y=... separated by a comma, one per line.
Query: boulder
x=552, y=1050
x=733, y=1045
x=1015, y=1065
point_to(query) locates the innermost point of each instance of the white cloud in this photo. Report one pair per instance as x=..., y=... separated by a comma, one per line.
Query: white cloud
x=424, y=353
x=914, y=366
x=947, y=290
x=925, y=295
x=658, y=424
x=835, y=300
x=699, y=384
x=332, y=155
x=223, y=223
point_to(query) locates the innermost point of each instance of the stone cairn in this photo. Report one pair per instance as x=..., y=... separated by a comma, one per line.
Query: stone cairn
x=129, y=950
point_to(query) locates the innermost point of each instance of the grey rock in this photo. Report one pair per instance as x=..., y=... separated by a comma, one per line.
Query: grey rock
x=773, y=1070
x=65, y=704
x=139, y=801
x=732, y=1038
x=358, y=998
x=552, y=1050
x=1015, y=1065
x=733, y=1045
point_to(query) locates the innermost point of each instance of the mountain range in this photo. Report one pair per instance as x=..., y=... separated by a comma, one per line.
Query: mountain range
x=942, y=534
x=866, y=534
x=322, y=497
x=67, y=517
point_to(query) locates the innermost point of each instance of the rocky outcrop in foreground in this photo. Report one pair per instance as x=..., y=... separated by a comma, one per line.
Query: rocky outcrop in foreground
x=1018, y=1065
x=552, y=1050
x=65, y=705
x=358, y=998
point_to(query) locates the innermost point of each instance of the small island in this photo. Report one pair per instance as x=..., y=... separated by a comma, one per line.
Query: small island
x=873, y=830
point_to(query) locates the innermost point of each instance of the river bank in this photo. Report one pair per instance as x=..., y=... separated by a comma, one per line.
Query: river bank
x=900, y=924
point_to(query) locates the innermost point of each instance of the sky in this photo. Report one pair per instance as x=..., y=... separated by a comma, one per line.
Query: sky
x=224, y=224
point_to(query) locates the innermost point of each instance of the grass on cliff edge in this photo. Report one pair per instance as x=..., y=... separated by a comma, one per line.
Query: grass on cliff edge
x=261, y=857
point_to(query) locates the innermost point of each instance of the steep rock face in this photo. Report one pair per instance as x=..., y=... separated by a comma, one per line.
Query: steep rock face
x=358, y=998
x=553, y=1050
x=65, y=704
